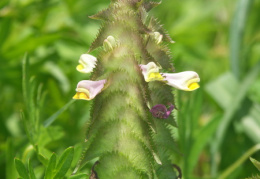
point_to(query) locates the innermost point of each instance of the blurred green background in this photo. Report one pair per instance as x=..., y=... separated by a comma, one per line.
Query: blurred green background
x=218, y=124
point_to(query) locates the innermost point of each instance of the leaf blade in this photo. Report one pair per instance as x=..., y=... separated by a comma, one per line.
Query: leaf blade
x=50, y=170
x=64, y=163
x=31, y=172
x=21, y=168
x=256, y=163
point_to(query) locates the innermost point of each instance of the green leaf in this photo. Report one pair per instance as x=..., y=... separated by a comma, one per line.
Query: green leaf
x=251, y=123
x=9, y=156
x=222, y=89
x=79, y=176
x=5, y=29
x=64, y=163
x=50, y=170
x=58, y=73
x=52, y=118
x=29, y=44
x=42, y=159
x=21, y=168
x=235, y=104
x=50, y=134
x=201, y=140
x=236, y=35
x=26, y=92
x=256, y=163
x=31, y=172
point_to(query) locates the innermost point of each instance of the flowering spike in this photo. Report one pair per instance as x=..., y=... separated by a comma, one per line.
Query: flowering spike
x=121, y=131
x=87, y=89
x=86, y=63
x=187, y=80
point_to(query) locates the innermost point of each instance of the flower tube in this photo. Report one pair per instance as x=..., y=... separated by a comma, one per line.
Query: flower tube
x=187, y=80
x=87, y=90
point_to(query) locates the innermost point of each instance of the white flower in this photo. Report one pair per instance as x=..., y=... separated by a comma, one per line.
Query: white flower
x=187, y=80
x=151, y=72
x=86, y=63
x=87, y=89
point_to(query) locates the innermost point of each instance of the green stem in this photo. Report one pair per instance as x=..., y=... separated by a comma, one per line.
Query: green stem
x=241, y=160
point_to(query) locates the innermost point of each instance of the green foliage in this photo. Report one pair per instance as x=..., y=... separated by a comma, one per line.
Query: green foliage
x=50, y=170
x=53, y=169
x=219, y=39
x=21, y=169
x=64, y=163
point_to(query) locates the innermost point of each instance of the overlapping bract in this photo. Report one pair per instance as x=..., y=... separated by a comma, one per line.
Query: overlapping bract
x=128, y=131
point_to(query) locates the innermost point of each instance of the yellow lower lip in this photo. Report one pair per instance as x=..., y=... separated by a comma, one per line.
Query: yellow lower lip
x=80, y=67
x=154, y=76
x=81, y=95
x=193, y=86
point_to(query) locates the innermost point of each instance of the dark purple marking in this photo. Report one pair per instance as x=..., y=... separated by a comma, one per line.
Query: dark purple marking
x=160, y=111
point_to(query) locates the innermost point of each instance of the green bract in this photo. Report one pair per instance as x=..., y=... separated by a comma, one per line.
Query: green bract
x=123, y=136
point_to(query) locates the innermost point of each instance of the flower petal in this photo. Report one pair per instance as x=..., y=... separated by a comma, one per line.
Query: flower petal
x=168, y=113
x=160, y=111
x=87, y=89
x=187, y=80
x=151, y=72
x=86, y=63
x=81, y=95
x=155, y=76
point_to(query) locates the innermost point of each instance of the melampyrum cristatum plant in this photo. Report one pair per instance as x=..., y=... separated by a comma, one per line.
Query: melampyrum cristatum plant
x=131, y=86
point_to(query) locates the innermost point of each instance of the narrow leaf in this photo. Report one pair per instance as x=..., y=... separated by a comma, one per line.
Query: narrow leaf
x=21, y=168
x=50, y=170
x=222, y=89
x=5, y=29
x=9, y=156
x=79, y=176
x=236, y=35
x=42, y=159
x=31, y=172
x=23, y=119
x=201, y=140
x=64, y=163
x=26, y=91
x=239, y=162
x=52, y=118
x=256, y=163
